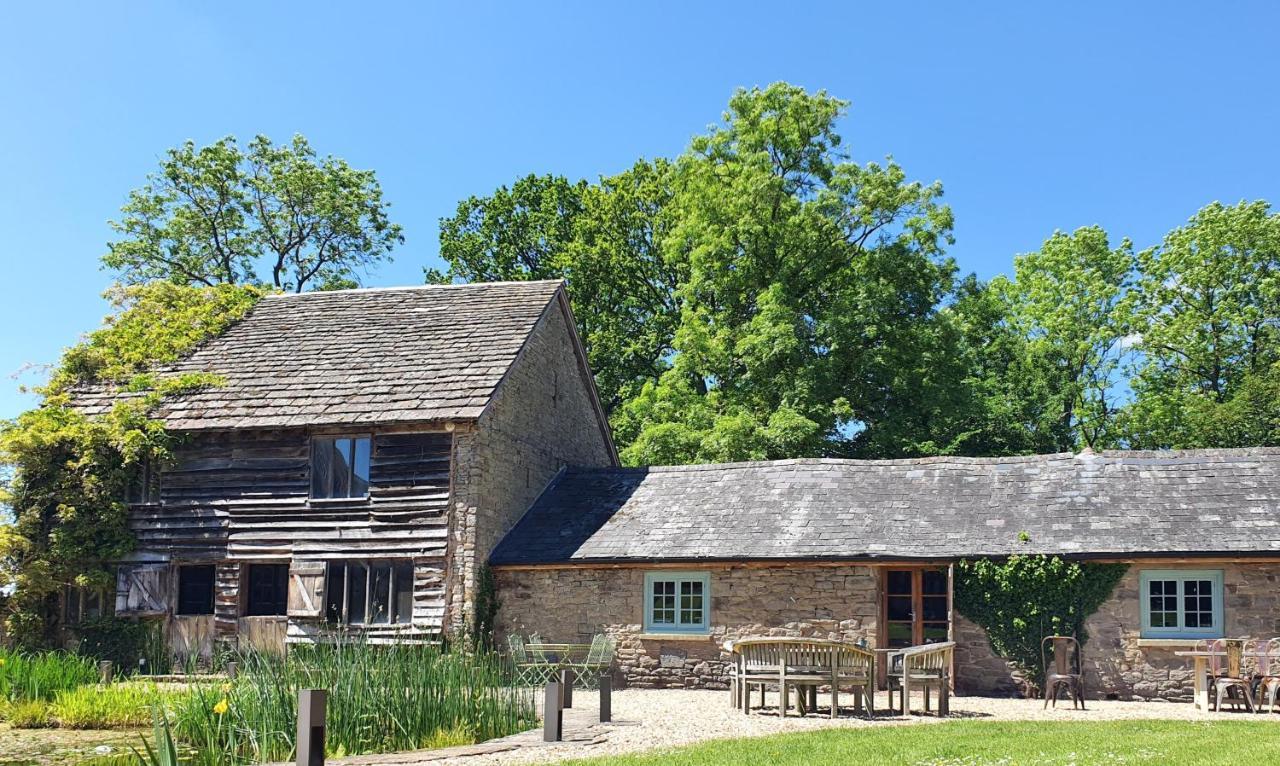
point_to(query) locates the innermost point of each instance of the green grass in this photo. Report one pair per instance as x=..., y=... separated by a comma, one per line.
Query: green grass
x=42, y=675
x=982, y=743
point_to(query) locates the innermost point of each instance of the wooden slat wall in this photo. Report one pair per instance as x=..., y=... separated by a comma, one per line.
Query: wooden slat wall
x=243, y=496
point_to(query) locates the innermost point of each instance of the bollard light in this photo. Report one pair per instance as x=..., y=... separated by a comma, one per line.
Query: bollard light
x=232, y=666
x=567, y=677
x=552, y=714
x=104, y=671
x=606, y=698
x=311, y=710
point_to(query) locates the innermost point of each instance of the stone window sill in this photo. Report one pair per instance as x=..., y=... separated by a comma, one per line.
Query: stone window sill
x=1168, y=643
x=675, y=636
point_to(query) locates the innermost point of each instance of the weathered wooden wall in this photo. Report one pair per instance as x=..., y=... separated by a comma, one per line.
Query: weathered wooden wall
x=236, y=497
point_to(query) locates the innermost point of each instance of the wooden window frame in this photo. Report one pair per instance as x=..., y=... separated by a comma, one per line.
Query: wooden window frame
x=246, y=586
x=369, y=565
x=917, y=596
x=176, y=589
x=311, y=467
x=1181, y=576
x=701, y=628
x=144, y=487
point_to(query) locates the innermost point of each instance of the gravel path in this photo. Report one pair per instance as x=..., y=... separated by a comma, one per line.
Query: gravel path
x=650, y=719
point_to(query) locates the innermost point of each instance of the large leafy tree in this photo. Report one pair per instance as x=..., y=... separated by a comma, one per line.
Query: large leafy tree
x=808, y=313
x=1207, y=306
x=605, y=239
x=270, y=214
x=1065, y=303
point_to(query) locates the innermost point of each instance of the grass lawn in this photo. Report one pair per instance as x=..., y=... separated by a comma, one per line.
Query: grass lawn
x=984, y=743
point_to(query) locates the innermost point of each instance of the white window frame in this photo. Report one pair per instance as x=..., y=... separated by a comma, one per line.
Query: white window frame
x=702, y=627
x=1181, y=576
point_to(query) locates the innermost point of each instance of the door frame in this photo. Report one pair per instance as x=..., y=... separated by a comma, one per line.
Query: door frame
x=917, y=604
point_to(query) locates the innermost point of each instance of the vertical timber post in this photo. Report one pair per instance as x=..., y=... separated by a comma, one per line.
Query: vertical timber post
x=311, y=710
x=552, y=713
x=104, y=672
x=567, y=677
x=606, y=698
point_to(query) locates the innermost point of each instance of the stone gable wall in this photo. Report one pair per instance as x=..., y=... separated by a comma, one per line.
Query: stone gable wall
x=540, y=420
x=570, y=605
x=1118, y=664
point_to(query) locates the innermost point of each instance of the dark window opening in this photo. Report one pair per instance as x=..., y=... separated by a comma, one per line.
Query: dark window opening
x=195, y=589
x=144, y=486
x=369, y=593
x=82, y=604
x=268, y=590
x=340, y=467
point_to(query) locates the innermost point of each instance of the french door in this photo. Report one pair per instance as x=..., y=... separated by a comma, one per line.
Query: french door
x=916, y=607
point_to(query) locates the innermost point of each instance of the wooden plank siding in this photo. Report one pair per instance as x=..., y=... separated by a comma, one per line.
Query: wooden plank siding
x=242, y=497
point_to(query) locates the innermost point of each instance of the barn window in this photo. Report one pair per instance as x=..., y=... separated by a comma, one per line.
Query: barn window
x=82, y=604
x=268, y=590
x=144, y=486
x=369, y=593
x=340, y=467
x=195, y=589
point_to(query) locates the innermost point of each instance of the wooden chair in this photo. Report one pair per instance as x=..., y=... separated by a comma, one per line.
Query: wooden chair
x=759, y=664
x=926, y=666
x=1067, y=671
x=1269, y=669
x=1231, y=678
x=855, y=667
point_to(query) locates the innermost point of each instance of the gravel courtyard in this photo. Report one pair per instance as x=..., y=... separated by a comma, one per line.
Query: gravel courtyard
x=647, y=719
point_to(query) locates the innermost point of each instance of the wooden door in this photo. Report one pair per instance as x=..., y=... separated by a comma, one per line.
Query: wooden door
x=916, y=607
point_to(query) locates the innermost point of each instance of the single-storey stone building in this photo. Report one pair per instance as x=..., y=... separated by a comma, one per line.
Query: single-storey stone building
x=368, y=451
x=673, y=561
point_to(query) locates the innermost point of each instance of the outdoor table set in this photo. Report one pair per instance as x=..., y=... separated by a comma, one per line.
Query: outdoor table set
x=804, y=664
x=535, y=661
x=1221, y=675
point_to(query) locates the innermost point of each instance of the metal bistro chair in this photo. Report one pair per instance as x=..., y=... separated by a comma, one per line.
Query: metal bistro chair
x=598, y=660
x=1230, y=678
x=1068, y=669
x=1269, y=669
x=528, y=670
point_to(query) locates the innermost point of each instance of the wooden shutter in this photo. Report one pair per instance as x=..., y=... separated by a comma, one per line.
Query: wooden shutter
x=306, y=589
x=142, y=589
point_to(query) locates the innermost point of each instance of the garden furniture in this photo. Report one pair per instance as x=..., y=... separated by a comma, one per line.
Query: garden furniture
x=1067, y=672
x=804, y=665
x=1269, y=670
x=529, y=671
x=926, y=666
x=1230, y=678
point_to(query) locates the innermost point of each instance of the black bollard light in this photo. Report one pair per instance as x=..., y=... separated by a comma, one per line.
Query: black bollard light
x=606, y=698
x=311, y=711
x=552, y=714
x=567, y=677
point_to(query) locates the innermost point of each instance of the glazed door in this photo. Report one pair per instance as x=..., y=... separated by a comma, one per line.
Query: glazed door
x=916, y=607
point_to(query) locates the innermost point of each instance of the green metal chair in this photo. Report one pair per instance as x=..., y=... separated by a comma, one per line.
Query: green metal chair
x=528, y=670
x=597, y=662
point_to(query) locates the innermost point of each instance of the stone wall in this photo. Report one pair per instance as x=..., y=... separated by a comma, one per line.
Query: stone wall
x=541, y=419
x=1118, y=663
x=570, y=605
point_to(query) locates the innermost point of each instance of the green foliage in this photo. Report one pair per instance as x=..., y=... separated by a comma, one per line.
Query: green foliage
x=41, y=676
x=30, y=714
x=124, y=642
x=113, y=706
x=382, y=699
x=605, y=239
x=1205, y=305
x=486, y=609
x=70, y=473
x=217, y=215
x=1020, y=600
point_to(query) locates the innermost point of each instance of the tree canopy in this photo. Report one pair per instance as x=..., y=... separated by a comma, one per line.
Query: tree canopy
x=271, y=214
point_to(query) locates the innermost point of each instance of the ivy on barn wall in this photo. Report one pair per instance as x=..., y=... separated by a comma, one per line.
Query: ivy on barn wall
x=68, y=473
x=1021, y=599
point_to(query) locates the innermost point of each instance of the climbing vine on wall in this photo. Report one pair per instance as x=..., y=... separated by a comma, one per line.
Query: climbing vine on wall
x=1020, y=600
x=68, y=474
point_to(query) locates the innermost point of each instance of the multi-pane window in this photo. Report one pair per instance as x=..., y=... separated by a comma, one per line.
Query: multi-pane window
x=267, y=589
x=369, y=593
x=195, y=589
x=144, y=485
x=1180, y=603
x=677, y=602
x=340, y=467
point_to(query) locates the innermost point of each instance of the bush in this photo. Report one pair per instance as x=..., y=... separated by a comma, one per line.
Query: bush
x=124, y=642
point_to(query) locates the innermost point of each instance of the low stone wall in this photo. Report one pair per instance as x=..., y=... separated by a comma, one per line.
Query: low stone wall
x=1119, y=664
x=571, y=605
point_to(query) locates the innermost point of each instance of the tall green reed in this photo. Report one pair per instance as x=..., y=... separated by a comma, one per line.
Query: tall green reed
x=40, y=676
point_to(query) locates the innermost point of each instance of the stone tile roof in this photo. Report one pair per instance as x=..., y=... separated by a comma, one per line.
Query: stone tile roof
x=1192, y=502
x=379, y=355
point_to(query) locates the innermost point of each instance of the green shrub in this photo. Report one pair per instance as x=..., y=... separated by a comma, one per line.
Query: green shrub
x=116, y=706
x=29, y=714
x=40, y=676
x=124, y=642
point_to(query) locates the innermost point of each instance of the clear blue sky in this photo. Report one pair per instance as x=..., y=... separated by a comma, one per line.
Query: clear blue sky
x=1034, y=116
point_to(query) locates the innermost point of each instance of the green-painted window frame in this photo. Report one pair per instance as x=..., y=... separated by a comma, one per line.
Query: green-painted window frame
x=1181, y=577
x=651, y=579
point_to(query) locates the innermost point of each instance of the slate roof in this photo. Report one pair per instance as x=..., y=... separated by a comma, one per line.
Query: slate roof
x=1129, y=503
x=379, y=355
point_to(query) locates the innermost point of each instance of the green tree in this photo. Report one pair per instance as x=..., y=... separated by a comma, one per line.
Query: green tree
x=605, y=239
x=1207, y=304
x=1065, y=300
x=218, y=215
x=808, y=313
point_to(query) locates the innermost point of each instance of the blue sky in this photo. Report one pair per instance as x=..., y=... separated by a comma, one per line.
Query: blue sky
x=1034, y=116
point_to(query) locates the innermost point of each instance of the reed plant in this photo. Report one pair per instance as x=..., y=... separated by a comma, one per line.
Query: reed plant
x=114, y=706
x=381, y=699
x=41, y=676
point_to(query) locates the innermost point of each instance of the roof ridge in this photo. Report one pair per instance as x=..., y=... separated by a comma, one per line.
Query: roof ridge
x=415, y=288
